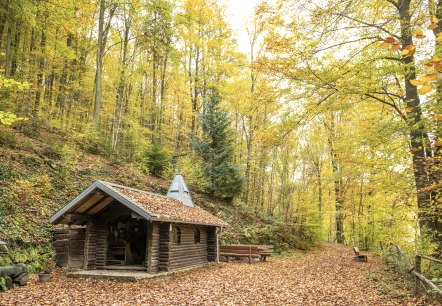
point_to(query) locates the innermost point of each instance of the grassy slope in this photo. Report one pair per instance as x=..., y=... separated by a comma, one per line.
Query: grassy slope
x=42, y=173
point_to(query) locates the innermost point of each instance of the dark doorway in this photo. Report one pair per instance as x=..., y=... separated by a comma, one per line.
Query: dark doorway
x=127, y=242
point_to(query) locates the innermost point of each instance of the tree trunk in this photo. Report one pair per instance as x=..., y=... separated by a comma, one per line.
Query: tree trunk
x=337, y=182
x=40, y=77
x=424, y=169
x=99, y=65
x=119, y=101
x=8, y=40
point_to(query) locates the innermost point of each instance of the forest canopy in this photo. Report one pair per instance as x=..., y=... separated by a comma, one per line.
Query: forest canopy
x=331, y=121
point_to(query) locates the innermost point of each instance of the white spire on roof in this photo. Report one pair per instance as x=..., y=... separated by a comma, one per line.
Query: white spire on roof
x=178, y=190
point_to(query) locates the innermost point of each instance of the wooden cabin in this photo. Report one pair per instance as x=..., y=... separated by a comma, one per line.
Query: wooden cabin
x=109, y=226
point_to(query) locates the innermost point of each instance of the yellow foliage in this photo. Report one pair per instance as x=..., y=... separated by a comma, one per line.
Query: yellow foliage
x=425, y=89
x=415, y=82
x=428, y=78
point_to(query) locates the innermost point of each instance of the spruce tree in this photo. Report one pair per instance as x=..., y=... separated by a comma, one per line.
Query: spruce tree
x=215, y=147
x=156, y=158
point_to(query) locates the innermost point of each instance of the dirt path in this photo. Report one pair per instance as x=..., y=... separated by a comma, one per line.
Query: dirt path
x=326, y=277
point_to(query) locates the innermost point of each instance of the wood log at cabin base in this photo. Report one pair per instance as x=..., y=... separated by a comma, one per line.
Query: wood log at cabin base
x=8, y=282
x=22, y=279
x=17, y=274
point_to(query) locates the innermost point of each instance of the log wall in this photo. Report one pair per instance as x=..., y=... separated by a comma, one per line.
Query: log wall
x=164, y=243
x=69, y=247
x=90, y=246
x=101, y=244
x=95, y=246
x=152, y=247
x=188, y=253
x=212, y=244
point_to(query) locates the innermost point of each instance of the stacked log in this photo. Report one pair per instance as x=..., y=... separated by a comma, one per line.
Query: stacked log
x=14, y=274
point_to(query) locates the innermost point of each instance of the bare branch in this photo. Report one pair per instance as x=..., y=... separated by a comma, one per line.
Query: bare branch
x=394, y=106
x=370, y=25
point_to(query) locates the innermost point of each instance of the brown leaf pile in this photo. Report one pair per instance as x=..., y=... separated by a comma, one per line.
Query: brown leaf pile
x=325, y=277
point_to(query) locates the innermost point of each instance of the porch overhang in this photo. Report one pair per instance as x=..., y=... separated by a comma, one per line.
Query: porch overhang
x=92, y=201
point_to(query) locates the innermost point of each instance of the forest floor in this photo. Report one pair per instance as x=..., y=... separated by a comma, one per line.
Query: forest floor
x=327, y=276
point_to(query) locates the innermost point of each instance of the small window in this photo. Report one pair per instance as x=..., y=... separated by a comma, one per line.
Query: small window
x=197, y=236
x=176, y=235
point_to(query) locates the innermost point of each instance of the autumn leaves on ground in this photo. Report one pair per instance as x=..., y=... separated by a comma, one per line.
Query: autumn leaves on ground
x=327, y=276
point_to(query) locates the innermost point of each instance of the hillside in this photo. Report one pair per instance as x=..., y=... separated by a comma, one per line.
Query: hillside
x=41, y=173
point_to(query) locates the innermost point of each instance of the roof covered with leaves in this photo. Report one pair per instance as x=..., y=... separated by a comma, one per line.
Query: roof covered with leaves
x=151, y=206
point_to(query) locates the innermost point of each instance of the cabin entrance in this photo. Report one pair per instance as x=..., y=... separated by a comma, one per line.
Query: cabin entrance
x=126, y=244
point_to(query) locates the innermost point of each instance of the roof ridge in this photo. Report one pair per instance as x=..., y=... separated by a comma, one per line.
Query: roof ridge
x=135, y=189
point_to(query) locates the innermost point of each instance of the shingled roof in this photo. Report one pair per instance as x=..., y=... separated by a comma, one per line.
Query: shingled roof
x=148, y=205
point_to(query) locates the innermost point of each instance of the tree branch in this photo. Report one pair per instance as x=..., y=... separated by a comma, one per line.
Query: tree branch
x=394, y=106
x=370, y=25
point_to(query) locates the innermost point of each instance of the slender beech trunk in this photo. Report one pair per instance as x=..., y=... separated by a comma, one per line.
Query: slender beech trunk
x=99, y=64
x=120, y=98
x=8, y=40
x=337, y=182
x=40, y=77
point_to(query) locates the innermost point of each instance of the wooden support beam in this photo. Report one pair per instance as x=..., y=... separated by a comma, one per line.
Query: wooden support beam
x=91, y=201
x=98, y=206
x=73, y=218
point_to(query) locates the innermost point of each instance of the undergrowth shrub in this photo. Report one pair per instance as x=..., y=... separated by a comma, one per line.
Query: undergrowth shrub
x=55, y=150
x=34, y=256
x=7, y=172
x=254, y=227
x=7, y=139
x=30, y=130
x=94, y=144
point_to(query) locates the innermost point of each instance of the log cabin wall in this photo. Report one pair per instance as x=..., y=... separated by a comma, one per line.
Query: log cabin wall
x=187, y=253
x=164, y=242
x=112, y=212
x=152, y=247
x=212, y=244
x=95, y=246
x=69, y=247
x=90, y=246
x=101, y=244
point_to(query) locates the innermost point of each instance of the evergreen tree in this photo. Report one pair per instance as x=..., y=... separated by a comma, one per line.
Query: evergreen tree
x=157, y=158
x=216, y=149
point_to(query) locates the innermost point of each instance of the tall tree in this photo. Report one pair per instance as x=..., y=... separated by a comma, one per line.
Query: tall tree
x=215, y=148
x=362, y=69
x=103, y=30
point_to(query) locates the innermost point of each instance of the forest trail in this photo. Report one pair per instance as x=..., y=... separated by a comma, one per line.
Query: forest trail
x=328, y=276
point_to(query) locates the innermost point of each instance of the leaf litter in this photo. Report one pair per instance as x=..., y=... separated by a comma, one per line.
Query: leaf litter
x=327, y=276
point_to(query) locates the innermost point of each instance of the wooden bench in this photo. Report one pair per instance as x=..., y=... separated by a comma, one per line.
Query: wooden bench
x=239, y=251
x=358, y=256
x=246, y=250
x=265, y=250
